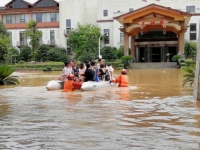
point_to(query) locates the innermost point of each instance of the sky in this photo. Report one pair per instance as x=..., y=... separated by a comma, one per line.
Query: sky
x=4, y=2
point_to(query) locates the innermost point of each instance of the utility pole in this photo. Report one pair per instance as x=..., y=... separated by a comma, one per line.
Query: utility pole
x=197, y=71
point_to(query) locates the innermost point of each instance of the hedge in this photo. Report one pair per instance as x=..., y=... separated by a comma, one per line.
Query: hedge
x=57, y=66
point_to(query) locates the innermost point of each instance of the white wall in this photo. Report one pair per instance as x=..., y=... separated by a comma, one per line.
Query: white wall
x=45, y=37
x=194, y=19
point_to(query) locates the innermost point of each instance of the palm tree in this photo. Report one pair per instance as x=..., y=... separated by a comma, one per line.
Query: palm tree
x=5, y=78
x=190, y=75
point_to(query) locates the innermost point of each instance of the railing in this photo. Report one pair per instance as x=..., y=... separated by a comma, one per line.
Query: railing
x=52, y=42
x=22, y=43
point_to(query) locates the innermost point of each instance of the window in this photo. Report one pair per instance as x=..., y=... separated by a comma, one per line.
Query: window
x=130, y=9
x=10, y=37
x=22, y=38
x=193, y=31
x=39, y=17
x=8, y=19
x=190, y=9
x=22, y=18
x=121, y=36
x=69, y=50
x=105, y=12
x=107, y=35
x=68, y=23
x=52, y=37
x=53, y=17
x=68, y=26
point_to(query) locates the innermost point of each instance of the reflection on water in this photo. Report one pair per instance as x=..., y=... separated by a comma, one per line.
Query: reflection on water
x=156, y=112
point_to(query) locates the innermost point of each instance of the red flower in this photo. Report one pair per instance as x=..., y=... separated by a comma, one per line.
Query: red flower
x=152, y=23
x=161, y=22
x=144, y=0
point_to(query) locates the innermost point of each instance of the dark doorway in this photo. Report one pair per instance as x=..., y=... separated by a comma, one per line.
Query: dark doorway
x=156, y=54
x=172, y=51
x=142, y=54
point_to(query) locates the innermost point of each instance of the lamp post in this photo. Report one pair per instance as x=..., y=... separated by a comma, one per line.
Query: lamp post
x=105, y=34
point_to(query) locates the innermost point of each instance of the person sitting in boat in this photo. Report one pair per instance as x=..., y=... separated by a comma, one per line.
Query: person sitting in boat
x=82, y=69
x=122, y=79
x=75, y=68
x=66, y=71
x=93, y=65
x=77, y=83
x=68, y=85
x=102, y=72
x=100, y=61
x=111, y=72
x=89, y=73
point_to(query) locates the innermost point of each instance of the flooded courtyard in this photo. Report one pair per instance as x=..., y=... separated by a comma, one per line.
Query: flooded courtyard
x=155, y=113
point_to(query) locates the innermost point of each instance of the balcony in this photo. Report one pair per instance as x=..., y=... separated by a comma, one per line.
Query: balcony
x=67, y=32
x=22, y=43
x=52, y=43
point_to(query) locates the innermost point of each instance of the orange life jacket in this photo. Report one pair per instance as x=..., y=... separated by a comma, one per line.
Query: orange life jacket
x=68, y=86
x=77, y=85
x=122, y=80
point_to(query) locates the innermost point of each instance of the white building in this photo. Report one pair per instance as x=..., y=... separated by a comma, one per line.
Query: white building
x=56, y=20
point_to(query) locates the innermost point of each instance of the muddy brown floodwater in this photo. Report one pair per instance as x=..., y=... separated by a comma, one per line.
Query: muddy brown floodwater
x=154, y=113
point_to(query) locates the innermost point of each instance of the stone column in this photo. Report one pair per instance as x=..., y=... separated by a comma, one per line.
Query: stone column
x=1, y=18
x=126, y=43
x=181, y=42
x=133, y=47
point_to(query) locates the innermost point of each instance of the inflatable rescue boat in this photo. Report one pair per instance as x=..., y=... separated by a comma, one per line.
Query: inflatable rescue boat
x=86, y=86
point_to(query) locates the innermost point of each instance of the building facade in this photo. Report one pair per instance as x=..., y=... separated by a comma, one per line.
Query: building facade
x=148, y=29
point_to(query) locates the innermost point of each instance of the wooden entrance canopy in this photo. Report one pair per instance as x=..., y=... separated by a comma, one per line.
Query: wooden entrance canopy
x=153, y=17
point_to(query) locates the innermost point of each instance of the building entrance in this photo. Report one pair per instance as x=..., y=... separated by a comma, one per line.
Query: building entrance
x=156, y=54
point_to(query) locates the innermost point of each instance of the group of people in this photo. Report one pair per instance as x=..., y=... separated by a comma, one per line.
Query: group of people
x=74, y=75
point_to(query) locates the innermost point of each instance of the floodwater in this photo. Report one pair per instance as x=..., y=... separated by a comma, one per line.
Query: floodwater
x=154, y=113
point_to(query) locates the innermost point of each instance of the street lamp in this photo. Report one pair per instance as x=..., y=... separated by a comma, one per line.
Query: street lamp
x=105, y=34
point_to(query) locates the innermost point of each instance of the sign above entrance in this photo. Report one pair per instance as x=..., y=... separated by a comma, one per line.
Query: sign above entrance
x=162, y=23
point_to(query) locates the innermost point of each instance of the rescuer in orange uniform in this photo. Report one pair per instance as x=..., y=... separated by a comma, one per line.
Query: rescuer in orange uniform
x=68, y=83
x=122, y=79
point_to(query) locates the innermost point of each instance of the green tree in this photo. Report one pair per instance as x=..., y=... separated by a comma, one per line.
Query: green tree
x=34, y=35
x=4, y=47
x=4, y=42
x=42, y=53
x=109, y=53
x=84, y=39
x=3, y=30
x=190, y=49
x=25, y=53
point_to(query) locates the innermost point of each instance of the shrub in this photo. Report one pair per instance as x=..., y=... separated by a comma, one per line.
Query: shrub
x=126, y=60
x=56, y=54
x=21, y=62
x=176, y=57
x=190, y=49
x=109, y=53
x=42, y=53
x=120, y=52
x=25, y=53
x=189, y=62
x=86, y=57
x=5, y=78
